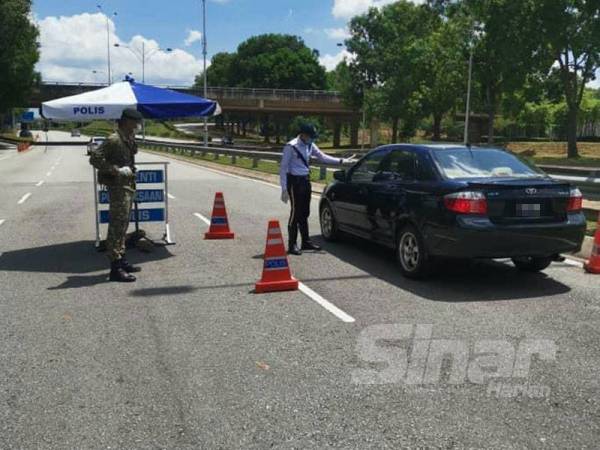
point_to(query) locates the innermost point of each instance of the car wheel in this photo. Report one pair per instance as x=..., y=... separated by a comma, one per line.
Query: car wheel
x=329, y=228
x=412, y=255
x=532, y=263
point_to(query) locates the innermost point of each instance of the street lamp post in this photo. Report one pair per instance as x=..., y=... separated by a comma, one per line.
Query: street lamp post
x=468, y=111
x=107, y=42
x=204, y=62
x=476, y=33
x=142, y=56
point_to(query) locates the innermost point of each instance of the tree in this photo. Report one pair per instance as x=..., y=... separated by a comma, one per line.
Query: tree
x=219, y=73
x=442, y=66
x=505, y=49
x=277, y=61
x=18, y=54
x=569, y=32
x=387, y=43
x=273, y=61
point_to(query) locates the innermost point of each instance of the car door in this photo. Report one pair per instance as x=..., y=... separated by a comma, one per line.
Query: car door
x=389, y=193
x=351, y=197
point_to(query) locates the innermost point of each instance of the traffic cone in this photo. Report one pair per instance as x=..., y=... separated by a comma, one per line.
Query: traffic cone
x=276, y=274
x=593, y=265
x=219, y=225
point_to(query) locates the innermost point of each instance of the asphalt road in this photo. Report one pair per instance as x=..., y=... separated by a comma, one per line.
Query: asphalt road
x=189, y=357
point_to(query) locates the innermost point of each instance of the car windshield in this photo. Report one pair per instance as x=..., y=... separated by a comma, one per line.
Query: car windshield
x=459, y=163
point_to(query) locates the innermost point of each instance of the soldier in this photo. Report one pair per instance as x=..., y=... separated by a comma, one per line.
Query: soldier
x=295, y=184
x=114, y=160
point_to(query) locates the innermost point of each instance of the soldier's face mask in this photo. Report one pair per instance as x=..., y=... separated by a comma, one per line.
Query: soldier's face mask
x=138, y=127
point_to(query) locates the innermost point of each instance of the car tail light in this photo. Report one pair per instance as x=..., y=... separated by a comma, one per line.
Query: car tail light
x=467, y=202
x=575, y=201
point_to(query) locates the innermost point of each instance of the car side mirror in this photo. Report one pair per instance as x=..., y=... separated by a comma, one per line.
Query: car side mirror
x=340, y=175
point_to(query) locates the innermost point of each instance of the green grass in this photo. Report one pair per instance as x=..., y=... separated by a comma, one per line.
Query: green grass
x=153, y=128
x=14, y=137
x=246, y=163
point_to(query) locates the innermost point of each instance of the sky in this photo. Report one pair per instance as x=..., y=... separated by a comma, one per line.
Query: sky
x=73, y=34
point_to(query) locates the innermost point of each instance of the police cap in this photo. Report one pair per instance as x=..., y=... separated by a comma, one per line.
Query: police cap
x=309, y=130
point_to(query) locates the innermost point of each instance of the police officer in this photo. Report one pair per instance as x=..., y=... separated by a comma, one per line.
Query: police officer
x=295, y=184
x=114, y=160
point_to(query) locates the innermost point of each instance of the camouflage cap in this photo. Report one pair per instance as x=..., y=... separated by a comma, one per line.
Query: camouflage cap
x=132, y=114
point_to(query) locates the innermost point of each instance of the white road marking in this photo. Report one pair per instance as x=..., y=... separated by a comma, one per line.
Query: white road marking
x=2, y=221
x=24, y=198
x=325, y=304
x=39, y=183
x=49, y=173
x=172, y=197
x=574, y=263
x=202, y=218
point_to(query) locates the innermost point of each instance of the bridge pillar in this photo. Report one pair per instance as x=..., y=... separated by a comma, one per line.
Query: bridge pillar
x=354, y=126
x=337, y=134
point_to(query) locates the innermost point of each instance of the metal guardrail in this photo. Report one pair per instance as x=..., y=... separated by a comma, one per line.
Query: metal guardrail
x=217, y=152
x=222, y=92
x=588, y=180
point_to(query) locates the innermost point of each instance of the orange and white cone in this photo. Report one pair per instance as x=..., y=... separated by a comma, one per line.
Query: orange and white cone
x=276, y=274
x=593, y=265
x=219, y=223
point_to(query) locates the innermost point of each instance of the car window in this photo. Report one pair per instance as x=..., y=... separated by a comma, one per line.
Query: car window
x=457, y=163
x=367, y=168
x=401, y=164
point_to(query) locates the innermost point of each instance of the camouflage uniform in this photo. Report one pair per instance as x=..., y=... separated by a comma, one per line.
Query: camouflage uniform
x=116, y=152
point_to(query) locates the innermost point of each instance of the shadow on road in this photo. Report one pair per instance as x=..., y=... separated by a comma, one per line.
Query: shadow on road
x=70, y=257
x=156, y=292
x=455, y=281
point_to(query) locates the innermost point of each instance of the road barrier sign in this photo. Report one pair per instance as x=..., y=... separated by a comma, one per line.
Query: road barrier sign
x=155, y=195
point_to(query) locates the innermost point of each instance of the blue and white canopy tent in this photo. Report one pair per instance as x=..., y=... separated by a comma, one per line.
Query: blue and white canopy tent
x=153, y=103
x=108, y=103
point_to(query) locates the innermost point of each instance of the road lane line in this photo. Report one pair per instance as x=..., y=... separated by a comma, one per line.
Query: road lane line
x=325, y=304
x=39, y=183
x=202, y=218
x=24, y=198
x=574, y=263
x=172, y=197
x=2, y=221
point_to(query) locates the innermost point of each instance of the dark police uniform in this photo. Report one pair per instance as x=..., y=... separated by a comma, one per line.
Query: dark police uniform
x=295, y=180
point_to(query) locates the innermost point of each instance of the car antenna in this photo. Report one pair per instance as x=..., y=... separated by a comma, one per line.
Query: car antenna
x=469, y=146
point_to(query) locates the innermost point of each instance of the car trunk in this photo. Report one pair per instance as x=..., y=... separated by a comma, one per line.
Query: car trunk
x=525, y=201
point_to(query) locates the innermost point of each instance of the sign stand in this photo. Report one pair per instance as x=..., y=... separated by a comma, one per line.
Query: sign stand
x=141, y=196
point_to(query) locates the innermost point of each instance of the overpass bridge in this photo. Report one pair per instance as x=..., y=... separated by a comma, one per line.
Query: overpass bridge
x=242, y=105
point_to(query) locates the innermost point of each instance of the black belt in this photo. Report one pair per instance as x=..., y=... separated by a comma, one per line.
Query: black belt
x=298, y=177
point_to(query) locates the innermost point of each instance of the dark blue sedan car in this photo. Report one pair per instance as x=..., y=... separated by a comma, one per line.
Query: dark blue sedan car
x=432, y=201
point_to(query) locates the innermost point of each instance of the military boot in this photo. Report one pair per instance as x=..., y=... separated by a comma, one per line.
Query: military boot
x=128, y=267
x=117, y=273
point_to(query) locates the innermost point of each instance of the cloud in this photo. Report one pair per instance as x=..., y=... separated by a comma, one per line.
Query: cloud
x=74, y=46
x=346, y=9
x=331, y=61
x=193, y=36
x=337, y=33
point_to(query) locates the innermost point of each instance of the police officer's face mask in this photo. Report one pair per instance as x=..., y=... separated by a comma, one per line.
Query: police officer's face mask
x=308, y=140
